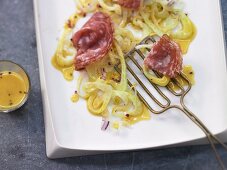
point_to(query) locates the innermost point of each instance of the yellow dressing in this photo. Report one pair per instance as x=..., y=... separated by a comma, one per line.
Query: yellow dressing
x=189, y=73
x=115, y=125
x=185, y=43
x=66, y=71
x=13, y=89
x=62, y=59
x=75, y=98
x=130, y=120
x=117, y=100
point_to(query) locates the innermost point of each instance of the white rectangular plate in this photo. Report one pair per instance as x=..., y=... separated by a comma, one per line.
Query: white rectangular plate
x=71, y=130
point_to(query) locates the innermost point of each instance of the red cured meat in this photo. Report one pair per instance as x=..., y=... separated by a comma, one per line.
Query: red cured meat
x=132, y=4
x=165, y=57
x=93, y=40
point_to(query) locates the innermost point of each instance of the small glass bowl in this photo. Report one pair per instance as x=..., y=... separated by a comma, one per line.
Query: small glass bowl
x=6, y=65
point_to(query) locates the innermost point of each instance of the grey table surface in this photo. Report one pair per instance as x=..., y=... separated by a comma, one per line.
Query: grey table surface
x=22, y=140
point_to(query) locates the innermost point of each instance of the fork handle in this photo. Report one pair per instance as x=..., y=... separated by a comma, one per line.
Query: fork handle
x=211, y=138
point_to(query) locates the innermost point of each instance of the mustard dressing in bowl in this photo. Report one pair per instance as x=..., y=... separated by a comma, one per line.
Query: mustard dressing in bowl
x=14, y=86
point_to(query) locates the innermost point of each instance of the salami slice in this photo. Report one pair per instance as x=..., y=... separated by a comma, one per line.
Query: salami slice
x=93, y=40
x=165, y=57
x=132, y=4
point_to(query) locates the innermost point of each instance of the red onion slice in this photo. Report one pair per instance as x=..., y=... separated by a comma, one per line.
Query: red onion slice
x=105, y=124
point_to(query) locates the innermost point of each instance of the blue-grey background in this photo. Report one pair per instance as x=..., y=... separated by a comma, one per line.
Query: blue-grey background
x=22, y=142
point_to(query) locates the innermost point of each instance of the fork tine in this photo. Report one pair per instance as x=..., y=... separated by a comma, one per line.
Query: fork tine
x=139, y=95
x=142, y=99
x=144, y=87
x=158, y=90
x=140, y=54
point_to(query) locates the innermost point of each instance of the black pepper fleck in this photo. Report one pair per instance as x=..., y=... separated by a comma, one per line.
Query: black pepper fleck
x=10, y=102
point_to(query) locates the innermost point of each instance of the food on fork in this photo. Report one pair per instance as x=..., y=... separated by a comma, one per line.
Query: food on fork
x=165, y=57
